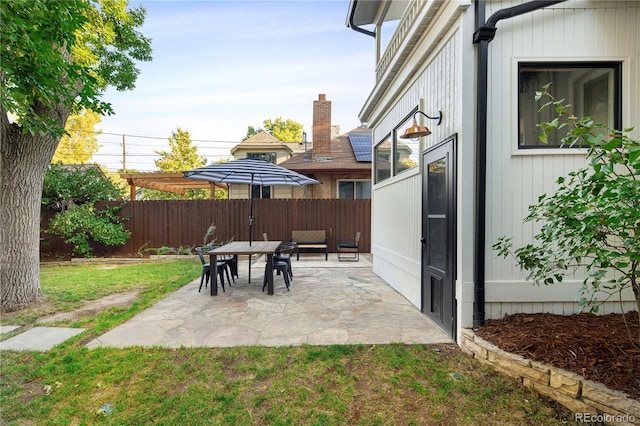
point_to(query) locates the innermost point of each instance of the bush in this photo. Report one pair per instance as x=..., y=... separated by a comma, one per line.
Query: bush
x=73, y=192
x=593, y=218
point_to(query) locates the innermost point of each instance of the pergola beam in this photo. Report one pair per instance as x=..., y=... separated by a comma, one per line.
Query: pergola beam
x=173, y=182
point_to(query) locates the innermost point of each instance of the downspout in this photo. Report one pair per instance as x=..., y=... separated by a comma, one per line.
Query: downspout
x=353, y=26
x=484, y=34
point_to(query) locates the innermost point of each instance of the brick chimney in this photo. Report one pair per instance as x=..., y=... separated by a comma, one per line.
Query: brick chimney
x=321, y=127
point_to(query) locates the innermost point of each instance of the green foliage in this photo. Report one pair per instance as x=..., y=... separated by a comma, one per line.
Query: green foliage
x=189, y=194
x=80, y=142
x=57, y=58
x=592, y=220
x=166, y=250
x=283, y=130
x=65, y=186
x=81, y=224
x=182, y=155
x=73, y=193
x=66, y=53
x=207, y=241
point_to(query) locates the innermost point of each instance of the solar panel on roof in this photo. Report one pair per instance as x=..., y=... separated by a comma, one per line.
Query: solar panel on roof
x=361, y=143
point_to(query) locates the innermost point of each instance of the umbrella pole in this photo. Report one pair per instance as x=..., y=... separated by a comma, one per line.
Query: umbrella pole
x=250, y=223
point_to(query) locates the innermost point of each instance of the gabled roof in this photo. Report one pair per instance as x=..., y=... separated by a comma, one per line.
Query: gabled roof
x=261, y=140
x=342, y=158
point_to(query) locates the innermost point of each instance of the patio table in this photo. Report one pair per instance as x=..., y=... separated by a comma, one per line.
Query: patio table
x=267, y=248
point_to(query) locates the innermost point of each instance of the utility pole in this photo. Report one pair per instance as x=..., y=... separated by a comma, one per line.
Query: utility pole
x=124, y=155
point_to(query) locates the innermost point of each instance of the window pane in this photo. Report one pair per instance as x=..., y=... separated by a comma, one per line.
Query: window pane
x=363, y=189
x=382, y=154
x=266, y=192
x=261, y=191
x=345, y=189
x=406, y=150
x=271, y=157
x=437, y=210
x=592, y=89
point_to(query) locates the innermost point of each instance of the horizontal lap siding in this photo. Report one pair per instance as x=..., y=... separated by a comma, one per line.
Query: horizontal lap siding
x=155, y=224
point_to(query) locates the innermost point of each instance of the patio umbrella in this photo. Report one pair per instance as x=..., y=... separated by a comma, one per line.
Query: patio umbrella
x=250, y=171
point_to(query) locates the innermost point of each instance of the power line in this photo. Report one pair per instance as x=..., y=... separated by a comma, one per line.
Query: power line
x=98, y=133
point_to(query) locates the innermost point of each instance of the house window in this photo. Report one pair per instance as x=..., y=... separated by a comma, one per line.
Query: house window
x=394, y=155
x=260, y=191
x=405, y=150
x=350, y=189
x=382, y=155
x=271, y=157
x=593, y=88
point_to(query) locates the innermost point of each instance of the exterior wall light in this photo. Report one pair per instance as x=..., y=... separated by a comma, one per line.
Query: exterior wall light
x=415, y=131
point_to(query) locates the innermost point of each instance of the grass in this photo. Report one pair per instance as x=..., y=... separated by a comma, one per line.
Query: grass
x=312, y=385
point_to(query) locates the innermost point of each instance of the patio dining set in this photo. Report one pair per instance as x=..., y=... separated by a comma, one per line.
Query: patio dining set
x=277, y=254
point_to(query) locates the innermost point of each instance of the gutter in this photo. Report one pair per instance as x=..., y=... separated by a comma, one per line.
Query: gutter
x=353, y=26
x=484, y=34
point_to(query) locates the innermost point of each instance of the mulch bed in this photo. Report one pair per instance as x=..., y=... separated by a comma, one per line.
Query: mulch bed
x=597, y=347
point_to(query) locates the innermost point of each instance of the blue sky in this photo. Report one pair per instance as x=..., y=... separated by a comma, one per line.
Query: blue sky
x=221, y=66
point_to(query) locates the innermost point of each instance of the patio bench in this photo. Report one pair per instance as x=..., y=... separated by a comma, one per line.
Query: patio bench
x=310, y=240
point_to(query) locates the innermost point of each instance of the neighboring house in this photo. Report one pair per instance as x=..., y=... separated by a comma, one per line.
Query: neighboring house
x=265, y=146
x=343, y=169
x=436, y=217
x=341, y=163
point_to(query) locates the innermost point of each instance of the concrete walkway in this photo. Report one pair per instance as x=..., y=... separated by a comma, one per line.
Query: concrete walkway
x=330, y=302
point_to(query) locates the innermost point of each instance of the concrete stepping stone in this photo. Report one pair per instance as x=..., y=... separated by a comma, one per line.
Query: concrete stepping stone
x=40, y=338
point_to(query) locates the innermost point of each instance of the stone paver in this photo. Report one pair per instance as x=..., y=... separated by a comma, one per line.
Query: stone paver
x=329, y=303
x=40, y=338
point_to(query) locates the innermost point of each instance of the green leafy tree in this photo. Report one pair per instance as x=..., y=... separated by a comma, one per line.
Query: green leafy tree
x=73, y=191
x=182, y=156
x=57, y=58
x=283, y=130
x=80, y=141
x=592, y=220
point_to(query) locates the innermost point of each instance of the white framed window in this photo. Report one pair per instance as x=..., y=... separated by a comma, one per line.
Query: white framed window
x=593, y=88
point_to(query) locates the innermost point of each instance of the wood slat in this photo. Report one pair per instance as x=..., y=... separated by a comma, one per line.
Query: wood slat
x=175, y=223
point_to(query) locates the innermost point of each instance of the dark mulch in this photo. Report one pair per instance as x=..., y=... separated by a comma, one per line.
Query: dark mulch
x=597, y=347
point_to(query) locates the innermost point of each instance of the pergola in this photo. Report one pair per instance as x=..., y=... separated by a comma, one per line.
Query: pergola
x=173, y=182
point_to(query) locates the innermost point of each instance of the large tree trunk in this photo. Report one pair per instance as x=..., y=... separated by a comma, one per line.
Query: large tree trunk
x=24, y=159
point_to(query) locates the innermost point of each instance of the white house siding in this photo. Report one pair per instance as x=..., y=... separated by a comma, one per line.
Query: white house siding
x=575, y=30
x=397, y=202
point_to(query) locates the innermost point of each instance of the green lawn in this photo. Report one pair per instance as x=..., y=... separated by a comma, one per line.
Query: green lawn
x=311, y=385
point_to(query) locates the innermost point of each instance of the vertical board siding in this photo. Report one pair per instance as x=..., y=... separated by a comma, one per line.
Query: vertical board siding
x=155, y=224
x=497, y=310
x=398, y=205
x=575, y=30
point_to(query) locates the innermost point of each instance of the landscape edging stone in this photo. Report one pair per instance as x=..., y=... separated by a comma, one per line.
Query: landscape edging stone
x=569, y=389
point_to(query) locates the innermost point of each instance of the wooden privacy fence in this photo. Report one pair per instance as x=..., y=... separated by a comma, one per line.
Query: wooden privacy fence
x=170, y=223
